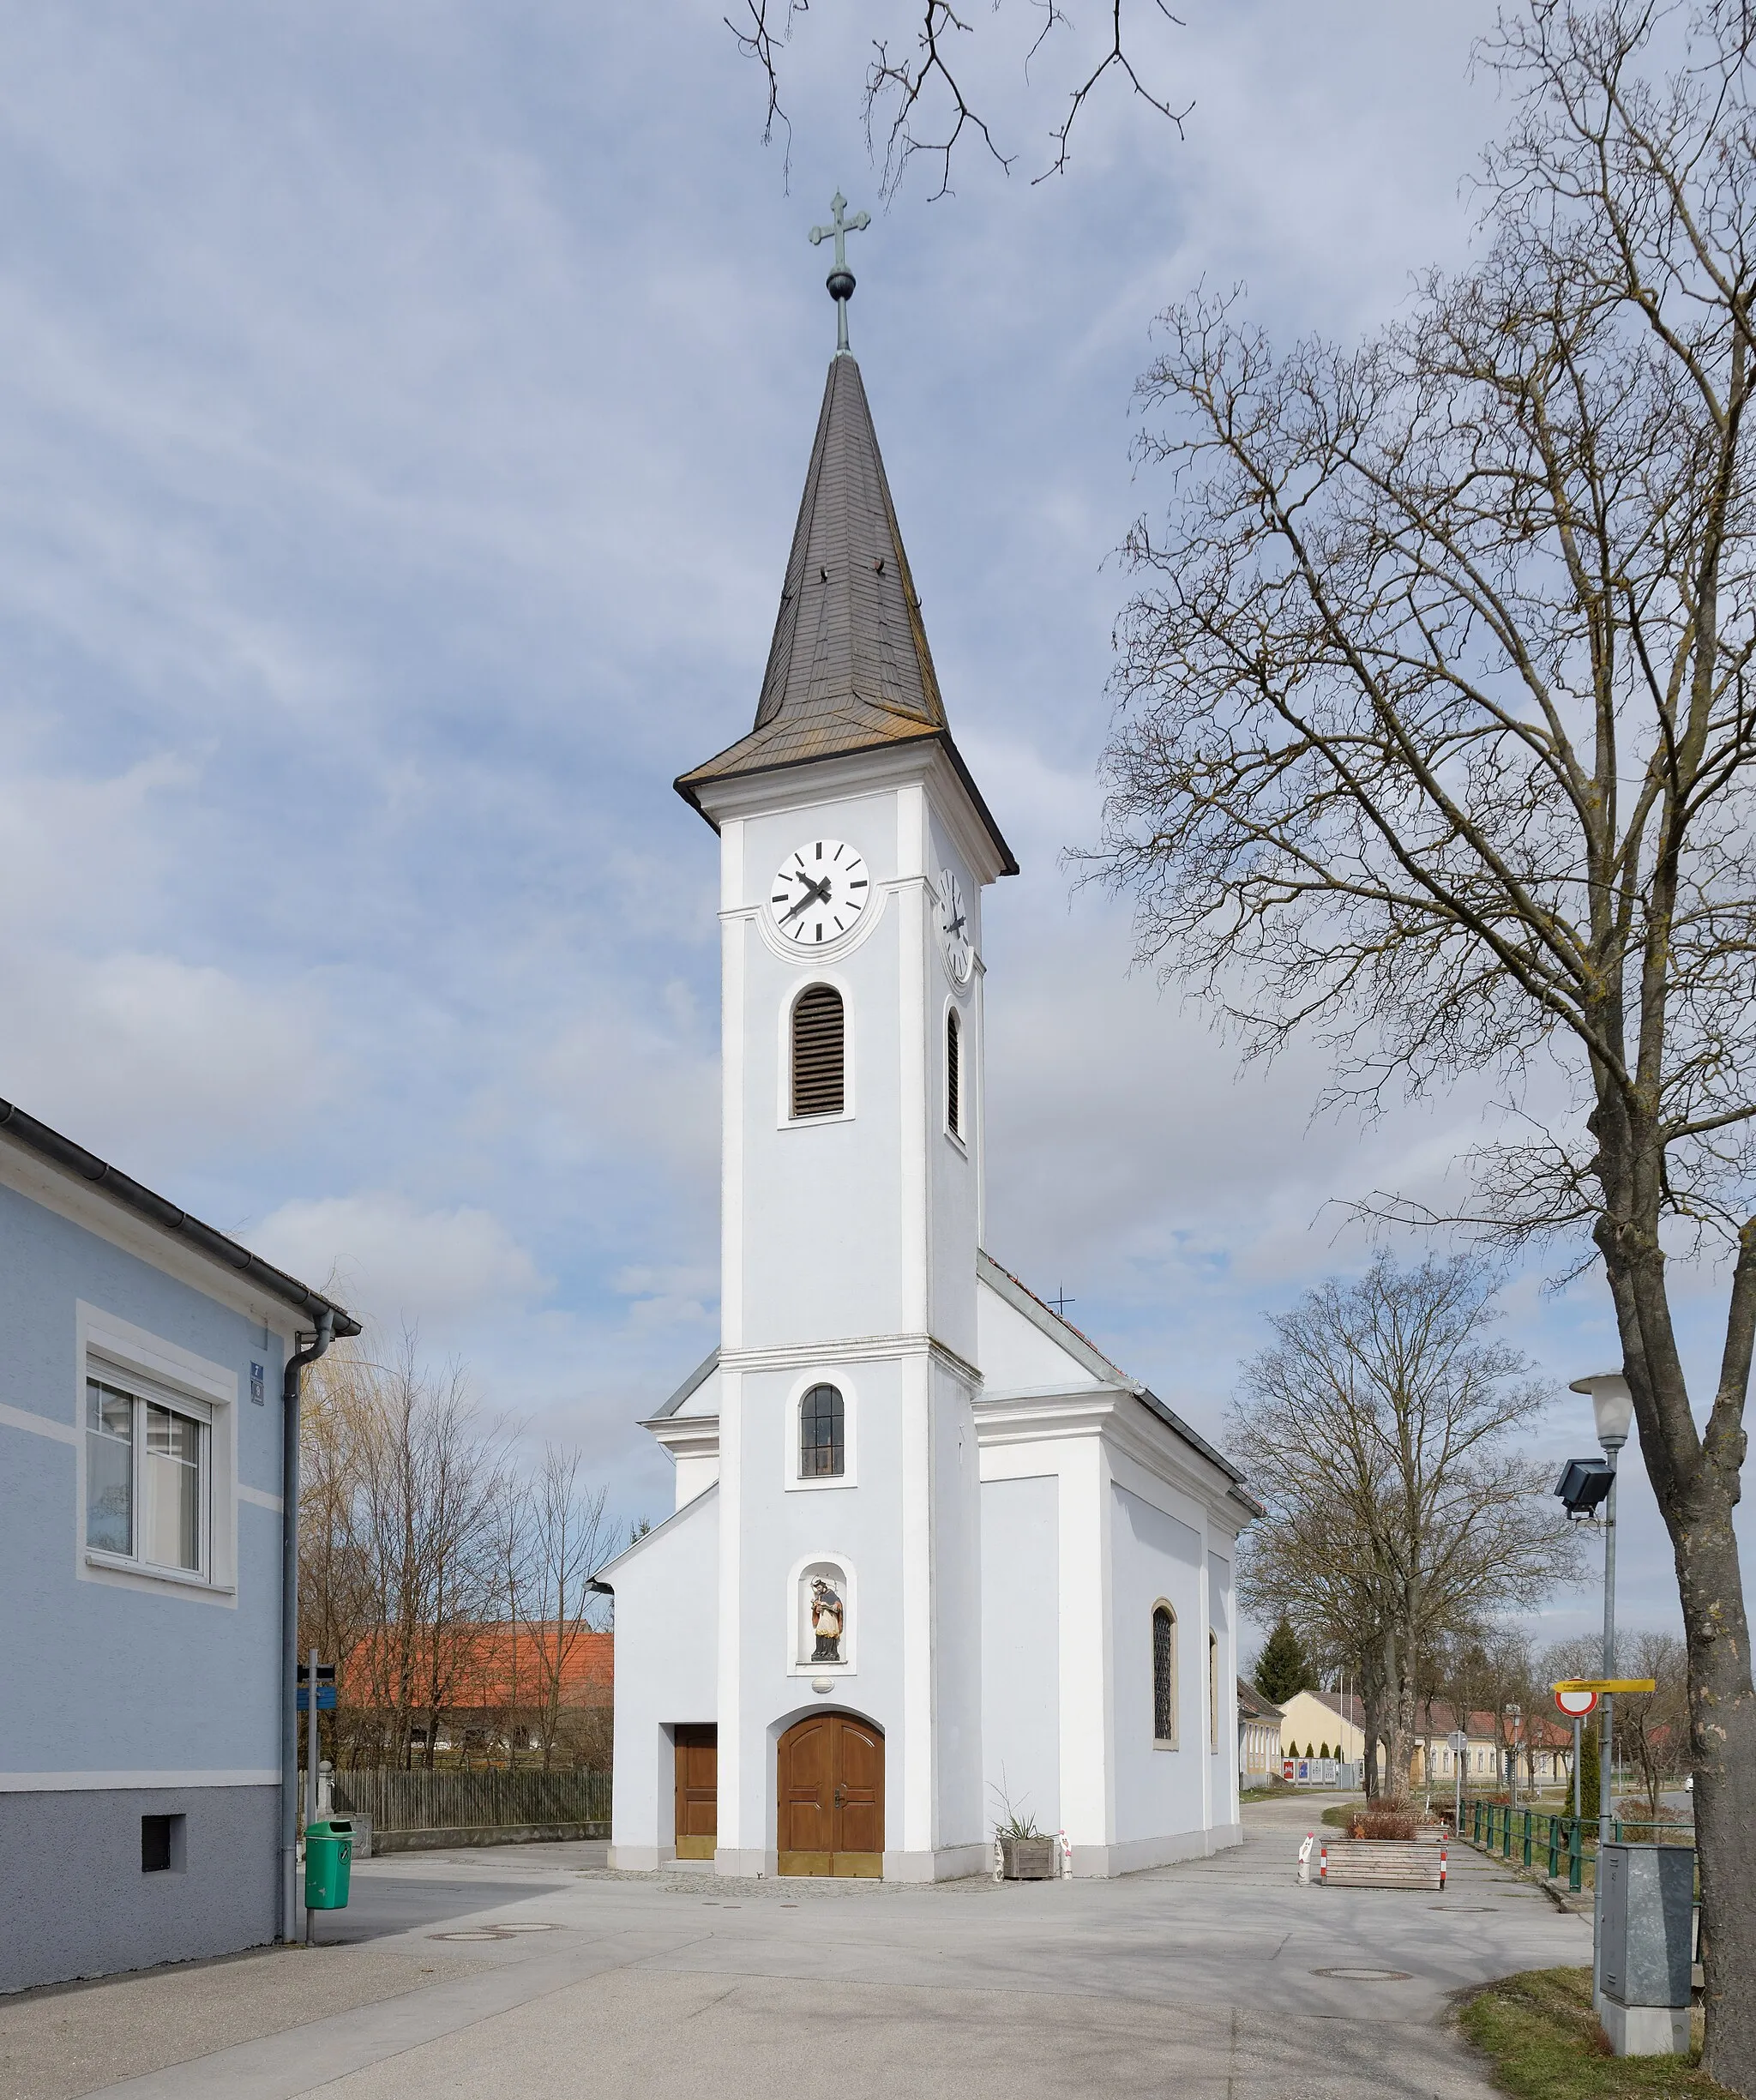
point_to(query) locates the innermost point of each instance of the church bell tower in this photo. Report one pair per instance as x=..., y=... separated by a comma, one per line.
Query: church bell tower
x=855, y=849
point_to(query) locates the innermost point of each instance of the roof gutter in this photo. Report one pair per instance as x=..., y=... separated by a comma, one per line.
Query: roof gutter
x=121, y=1189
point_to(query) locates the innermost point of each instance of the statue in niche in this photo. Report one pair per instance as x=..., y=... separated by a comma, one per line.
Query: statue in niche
x=828, y=1617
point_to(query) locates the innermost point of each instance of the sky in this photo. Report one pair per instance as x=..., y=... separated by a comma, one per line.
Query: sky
x=402, y=420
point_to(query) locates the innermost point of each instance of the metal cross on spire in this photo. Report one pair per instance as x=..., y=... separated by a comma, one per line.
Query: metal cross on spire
x=840, y=280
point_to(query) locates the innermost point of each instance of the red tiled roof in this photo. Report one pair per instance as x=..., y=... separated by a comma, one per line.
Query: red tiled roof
x=501, y=1664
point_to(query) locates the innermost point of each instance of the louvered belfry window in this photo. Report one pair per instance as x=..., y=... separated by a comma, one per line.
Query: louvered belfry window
x=954, y=1074
x=817, y=1052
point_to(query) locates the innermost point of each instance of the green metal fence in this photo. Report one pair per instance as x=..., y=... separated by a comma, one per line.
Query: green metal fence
x=1557, y=1842
x=407, y=1801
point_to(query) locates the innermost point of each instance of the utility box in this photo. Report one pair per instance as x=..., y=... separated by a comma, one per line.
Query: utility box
x=328, y=1864
x=1646, y=1927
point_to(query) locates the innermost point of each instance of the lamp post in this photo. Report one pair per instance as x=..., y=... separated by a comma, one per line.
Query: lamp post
x=1514, y=1715
x=1613, y=1404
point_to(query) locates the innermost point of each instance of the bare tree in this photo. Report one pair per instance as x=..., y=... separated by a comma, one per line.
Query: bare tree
x=336, y=1587
x=569, y=1541
x=417, y=1486
x=916, y=92
x=1438, y=739
x=1651, y=1728
x=1379, y=1432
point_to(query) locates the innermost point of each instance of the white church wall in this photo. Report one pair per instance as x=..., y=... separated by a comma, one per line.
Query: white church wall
x=1080, y=1654
x=957, y=1822
x=954, y=1162
x=1021, y=1573
x=1222, y=1779
x=665, y=1588
x=1161, y=1793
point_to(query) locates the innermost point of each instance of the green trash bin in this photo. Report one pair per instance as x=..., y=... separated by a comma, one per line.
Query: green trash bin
x=328, y=1864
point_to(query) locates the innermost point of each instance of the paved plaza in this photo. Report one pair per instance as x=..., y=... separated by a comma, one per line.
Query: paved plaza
x=532, y=1970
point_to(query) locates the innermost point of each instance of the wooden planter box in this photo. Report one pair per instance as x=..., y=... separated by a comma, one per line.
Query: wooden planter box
x=1028, y=1859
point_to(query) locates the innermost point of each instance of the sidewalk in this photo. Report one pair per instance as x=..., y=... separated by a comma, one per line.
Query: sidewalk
x=531, y=1971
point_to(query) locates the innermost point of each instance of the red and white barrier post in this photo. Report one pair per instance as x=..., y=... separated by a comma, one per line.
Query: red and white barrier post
x=1441, y=1866
x=1323, y=1863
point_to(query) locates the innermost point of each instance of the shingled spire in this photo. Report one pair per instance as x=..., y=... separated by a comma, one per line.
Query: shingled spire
x=848, y=669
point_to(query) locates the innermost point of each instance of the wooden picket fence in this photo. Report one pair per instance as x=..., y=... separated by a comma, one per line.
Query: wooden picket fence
x=468, y=1801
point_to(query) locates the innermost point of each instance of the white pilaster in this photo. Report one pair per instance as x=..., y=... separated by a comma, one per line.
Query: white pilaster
x=734, y=934
x=731, y=1607
x=918, y=1834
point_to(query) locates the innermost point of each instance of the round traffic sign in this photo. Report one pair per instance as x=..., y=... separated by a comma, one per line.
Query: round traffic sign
x=1575, y=1704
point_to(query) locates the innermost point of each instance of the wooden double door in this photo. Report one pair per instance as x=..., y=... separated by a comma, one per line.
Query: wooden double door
x=697, y=1790
x=831, y=1809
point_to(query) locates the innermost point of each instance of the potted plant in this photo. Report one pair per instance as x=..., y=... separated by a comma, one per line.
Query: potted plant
x=1026, y=1853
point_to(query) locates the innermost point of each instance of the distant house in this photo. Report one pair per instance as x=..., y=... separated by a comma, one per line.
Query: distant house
x=1324, y=1724
x=1333, y=1724
x=143, y=1721
x=1259, y=1733
x=1543, y=1747
x=495, y=1695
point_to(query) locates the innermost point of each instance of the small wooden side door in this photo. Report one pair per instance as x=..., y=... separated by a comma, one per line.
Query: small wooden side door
x=697, y=1790
x=831, y=1807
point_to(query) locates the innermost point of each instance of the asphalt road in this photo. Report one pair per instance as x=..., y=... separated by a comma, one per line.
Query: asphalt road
x=527, y=1973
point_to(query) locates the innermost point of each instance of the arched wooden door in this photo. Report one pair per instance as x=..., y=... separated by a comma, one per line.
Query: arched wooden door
x=831, y=1809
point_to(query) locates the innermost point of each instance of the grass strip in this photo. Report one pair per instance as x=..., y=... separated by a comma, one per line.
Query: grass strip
x=1544, y=2040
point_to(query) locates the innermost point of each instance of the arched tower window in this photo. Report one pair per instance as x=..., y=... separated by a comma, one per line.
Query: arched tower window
x=954, y=1073
x=822, y=1435
x=1164, y=1674
x=818, y=1058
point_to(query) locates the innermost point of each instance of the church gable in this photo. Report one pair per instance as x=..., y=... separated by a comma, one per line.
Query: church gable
x=1026, y=1348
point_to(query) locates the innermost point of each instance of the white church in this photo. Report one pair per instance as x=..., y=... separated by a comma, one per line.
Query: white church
x=933, y=1553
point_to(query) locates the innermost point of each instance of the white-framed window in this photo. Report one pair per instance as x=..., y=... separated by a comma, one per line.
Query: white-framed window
x=1163, y=1677
x=820, y=1448
x=148, y=1475
x=822, y=1433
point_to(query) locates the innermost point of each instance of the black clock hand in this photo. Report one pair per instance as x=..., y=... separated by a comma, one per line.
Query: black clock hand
x=816, y=893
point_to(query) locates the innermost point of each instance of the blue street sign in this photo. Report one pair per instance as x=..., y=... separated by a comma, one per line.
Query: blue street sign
x=326, y=1698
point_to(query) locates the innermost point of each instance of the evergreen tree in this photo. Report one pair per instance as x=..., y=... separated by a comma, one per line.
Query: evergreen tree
x=1590, y=1765
x=1284, y=1668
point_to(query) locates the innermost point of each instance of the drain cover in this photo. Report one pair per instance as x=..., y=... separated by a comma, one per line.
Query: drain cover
x=1366, y=1976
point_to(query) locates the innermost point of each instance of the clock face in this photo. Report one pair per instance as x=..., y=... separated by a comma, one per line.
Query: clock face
x=818, y=893
x=954, y=927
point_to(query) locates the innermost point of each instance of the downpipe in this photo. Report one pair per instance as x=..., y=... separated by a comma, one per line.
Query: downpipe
x=290, y=1384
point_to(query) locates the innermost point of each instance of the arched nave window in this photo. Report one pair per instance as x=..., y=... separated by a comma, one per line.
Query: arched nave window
x=818, y=1052
x=954, y=1073
x=1164, y=1676
x=822, y=1434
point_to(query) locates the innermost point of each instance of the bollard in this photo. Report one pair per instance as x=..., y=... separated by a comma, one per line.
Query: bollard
x=1442, y=1857
x=1323, y=1864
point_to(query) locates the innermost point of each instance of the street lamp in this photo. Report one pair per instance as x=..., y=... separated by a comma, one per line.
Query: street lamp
x=1514, y=1715
x=1613, y=1404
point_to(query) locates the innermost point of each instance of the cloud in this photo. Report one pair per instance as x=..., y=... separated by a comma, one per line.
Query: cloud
x=394, y=1264
x=400, y=435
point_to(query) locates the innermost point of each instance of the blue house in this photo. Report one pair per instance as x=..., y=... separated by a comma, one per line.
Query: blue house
x=149, y=1371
